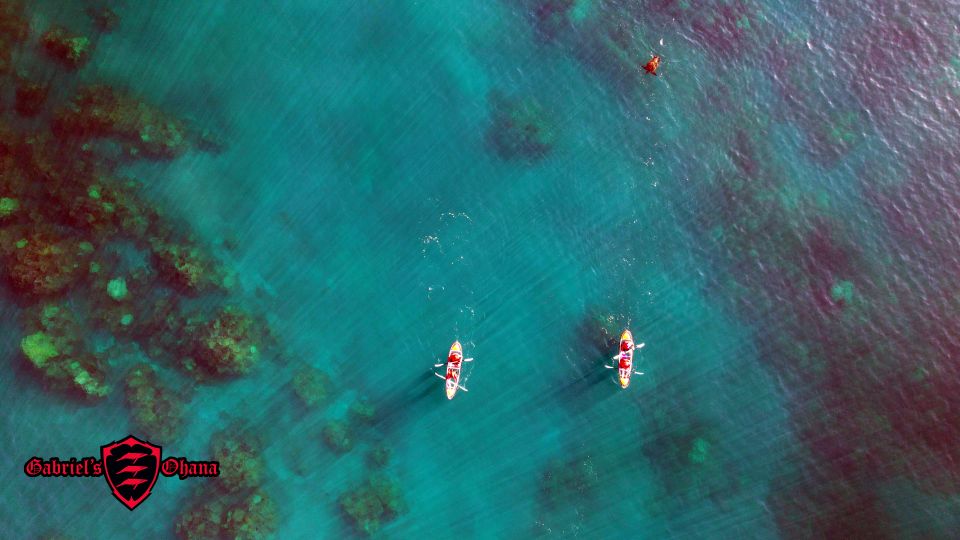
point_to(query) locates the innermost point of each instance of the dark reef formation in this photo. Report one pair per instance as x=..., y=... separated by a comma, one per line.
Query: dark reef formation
x=375, y=501
x=68, y=48
x=568, y=482
x=14, y=30
x=104, y=19
x=30, y=96
x=338, y=436
x=361, y=411
x=568, y=492
x=99, y=111
x=54, y=345
x=379, y=456
x=689, y=457
x=246, y=516
x=312, y=386
x=241, y=464
x=225, y=345
x=156, y=409
x=44, y=262
x=115, y=293
x=872, y=397
x=236, y=505
x=184, y=267
x=551, y=17
x=520, y=128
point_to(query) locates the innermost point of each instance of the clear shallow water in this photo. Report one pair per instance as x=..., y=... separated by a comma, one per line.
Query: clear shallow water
x=714, y=208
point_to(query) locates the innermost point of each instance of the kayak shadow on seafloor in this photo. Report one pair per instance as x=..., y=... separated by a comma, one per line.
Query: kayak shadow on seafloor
x=586, y=382
x=410, y=400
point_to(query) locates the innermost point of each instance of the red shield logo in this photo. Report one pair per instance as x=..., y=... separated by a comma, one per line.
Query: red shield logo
x=130, y=467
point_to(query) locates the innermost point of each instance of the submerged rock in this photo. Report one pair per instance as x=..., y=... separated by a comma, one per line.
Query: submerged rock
x=362, y=411
x=99, y=111
x=338, y=436
x=228, y=344
x=568, y=481
x=254, y=517
x=368, y=506
x=184, y=267
x=688, y=457
x=551, y=17
x=241, y=463
x=248, y=516
x=71, y=50
x=54, y=347
x=45, y=262
x=379, y=456
x=520, y=128
x=202, y=521
x=105, y=19
x=30, y=97
x=14, y=29
x=156, y=410
x=39, y=348
x=313, y=386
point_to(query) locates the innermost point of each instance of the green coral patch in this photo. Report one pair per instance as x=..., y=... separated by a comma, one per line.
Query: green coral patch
x=842, y=291
x=39, y=348
x=699, y=451
x=117, y=288
x=8, y=206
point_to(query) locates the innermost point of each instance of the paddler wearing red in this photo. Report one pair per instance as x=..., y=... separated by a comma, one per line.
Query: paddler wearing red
x=624, y=357
x=626, y=350
x=651, y=66
x=453, y=366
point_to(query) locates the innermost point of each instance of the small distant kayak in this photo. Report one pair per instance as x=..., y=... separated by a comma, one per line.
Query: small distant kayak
x=624, y=359
x=652, y=66
x=454, y=367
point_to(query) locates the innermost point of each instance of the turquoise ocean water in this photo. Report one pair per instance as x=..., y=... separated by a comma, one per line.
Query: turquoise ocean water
x=373, y=223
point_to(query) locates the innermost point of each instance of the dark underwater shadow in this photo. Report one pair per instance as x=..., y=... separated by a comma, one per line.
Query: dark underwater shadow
x=584, y=381
x=415, y=397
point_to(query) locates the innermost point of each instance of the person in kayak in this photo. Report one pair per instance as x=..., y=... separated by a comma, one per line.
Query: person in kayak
x=626, y=354
x=624, y=358
x=453, y=363
x=651, y=66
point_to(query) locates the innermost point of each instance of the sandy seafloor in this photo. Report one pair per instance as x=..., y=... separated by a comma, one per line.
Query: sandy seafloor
x=375, y=225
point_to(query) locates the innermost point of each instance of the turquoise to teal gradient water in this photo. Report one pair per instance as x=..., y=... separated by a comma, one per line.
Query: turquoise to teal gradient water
x=375, y=225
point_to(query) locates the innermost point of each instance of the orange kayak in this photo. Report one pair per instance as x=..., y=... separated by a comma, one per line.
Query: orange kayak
x=625, y=369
